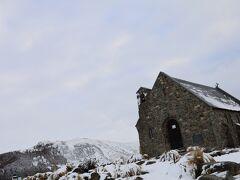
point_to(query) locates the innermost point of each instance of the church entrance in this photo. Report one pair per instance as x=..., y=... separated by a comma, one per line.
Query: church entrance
x=174, y=134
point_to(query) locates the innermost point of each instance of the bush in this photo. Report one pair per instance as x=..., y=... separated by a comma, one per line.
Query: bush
x=196, y=158
x=135, y=158
x=89, y=164
x=171, y=156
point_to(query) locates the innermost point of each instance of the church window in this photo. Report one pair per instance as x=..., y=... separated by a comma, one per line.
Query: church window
x=197, y=139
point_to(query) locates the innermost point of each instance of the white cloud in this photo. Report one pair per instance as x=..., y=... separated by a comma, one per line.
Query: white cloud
x=117, y=44
x=174, y=62
x=77, y=83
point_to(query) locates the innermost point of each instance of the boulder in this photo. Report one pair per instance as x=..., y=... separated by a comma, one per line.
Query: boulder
x=140, y=163
x=85, y=178
x=150, y=162
x=210, y=177
x=232, y=167
x=143, y=172
x=138, y=178
x=78, y=170
x=226, y=176
x=95, y=176
x=109, y=176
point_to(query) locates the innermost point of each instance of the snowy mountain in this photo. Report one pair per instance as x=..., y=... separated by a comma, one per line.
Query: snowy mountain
x=46, y=156
x=103, y=151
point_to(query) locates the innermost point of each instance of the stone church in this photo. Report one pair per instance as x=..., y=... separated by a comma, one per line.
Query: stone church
x=176, y=114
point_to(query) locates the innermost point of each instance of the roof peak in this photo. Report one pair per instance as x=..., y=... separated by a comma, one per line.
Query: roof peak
x=143, y=89
x=183, y=80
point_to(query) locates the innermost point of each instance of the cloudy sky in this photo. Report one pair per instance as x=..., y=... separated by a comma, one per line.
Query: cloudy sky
x=70, y=69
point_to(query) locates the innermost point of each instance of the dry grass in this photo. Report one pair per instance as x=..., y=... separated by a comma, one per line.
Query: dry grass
x=196, y=158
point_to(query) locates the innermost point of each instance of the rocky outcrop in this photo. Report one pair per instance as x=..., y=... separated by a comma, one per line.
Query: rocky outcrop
x=41, y=158
x=231, y=168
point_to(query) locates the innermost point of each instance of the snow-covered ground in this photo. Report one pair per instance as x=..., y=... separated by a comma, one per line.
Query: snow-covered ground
x=166, y=170
x=169, y=166
x=234, y=157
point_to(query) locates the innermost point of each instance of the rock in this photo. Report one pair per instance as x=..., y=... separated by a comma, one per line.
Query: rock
x=138, y=178
x=150, y=162
x=109, y=177
x=226, y=176
x=144, y=172
x=210, y=177
x=145, y=156
x=78, y=170
x=232, y=167
x=222, y=152
x=140, y=163
x=209, y=149
x=229, y=176
x=95, y=176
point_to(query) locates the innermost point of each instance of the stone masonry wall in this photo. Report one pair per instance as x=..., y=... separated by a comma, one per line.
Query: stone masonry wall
x=223, y=119
x=169, y=100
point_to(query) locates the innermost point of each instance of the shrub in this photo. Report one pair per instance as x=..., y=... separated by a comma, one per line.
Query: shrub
x=171, y=156
x=196, y=158
x=135, y=158
x=69, y=167
x=89, y=164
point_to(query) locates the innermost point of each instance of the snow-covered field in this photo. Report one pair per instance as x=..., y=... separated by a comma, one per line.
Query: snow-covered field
x=171, y=171
x=169, y=166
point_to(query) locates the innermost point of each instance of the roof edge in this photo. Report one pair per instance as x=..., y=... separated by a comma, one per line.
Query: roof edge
x=224, y=92
x=201, y=99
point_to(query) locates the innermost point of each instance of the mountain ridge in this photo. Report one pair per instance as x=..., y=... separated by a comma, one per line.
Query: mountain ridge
x=46, y=155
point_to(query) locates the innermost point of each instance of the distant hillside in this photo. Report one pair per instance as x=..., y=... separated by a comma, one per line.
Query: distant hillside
x=45, y=156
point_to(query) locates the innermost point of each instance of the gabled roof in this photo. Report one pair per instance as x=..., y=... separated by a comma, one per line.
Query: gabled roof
x=214, y=97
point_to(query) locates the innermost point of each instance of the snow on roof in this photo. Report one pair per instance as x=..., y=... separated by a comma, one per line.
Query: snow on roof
x=212, y=96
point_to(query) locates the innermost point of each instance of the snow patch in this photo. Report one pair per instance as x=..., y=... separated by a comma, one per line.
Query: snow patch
x=210, y=97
